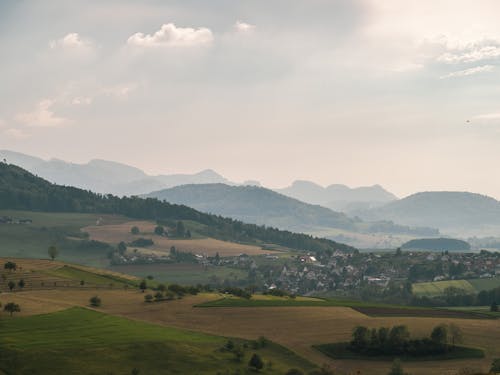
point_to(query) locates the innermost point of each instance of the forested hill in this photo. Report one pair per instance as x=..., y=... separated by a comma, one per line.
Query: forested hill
x=254, y=204
x=22, y=190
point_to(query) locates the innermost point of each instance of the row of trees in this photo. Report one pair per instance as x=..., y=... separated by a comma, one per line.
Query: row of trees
x=396, y=340
x=459, y=297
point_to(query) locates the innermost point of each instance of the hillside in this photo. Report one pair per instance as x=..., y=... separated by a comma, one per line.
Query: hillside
x=460, y=212
x=265, y=207
x=254, y=205
x=437, y=244
x=21, y=190
x=104, y=176
x=338, y=197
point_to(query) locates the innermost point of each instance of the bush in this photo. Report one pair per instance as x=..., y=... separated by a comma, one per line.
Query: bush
x=95, y=301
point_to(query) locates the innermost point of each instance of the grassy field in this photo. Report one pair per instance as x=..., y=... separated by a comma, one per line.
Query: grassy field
x=181, y=273
x=82, y=341
x=32, y=240
x=437, y=288
x=115, y=233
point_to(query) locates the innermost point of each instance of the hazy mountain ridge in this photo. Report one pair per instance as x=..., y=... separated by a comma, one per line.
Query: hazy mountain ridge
x=337, y=196
x=104, y=176
x=446, y=210
x=266, y=207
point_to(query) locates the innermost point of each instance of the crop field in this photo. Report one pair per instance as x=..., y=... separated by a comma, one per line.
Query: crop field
x=437, y=288
x=297, y=328
x=115, y=233
x=181, y=273
x=82, y=341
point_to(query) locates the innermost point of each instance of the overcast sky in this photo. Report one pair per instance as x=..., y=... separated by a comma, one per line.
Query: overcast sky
x=405, y=94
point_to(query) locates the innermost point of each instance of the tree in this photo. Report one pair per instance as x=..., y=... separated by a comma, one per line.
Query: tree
x=134, y=230
x=396, y=368
x=439, y=335
x=95, y=301
x=495, y=366
x=360, y=338
x=188, y=234
x=162, y=288
x=294, y=371
x=143, y=285
x=11, y=308
x=148, y=298
x=238, y=353
x=494, y=307
x=158, y=296
x=180, y=230
x=11, y=285
x=53, y=252
x=159, y=230
x=398, y=336
x=135, y=371
x=11, y=266
x=122, y=248
x=21, y=284
x=256, y=362
x=455, y=334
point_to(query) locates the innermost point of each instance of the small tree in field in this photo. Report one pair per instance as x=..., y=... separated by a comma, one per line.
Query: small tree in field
x=159, y=230
x=143, y=285
x=21, y=284
x=11, y=266
x=134, y=230
x=95, y=301
x=494, y=307
x=11, y=285
x=53, y=252
x=256, y=362
x=148, y=298
x=122, y=248
x=12, y=307
x=455, y=334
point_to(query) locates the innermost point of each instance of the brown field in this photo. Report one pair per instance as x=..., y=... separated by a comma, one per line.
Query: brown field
x=121, y=232
x=295, y=327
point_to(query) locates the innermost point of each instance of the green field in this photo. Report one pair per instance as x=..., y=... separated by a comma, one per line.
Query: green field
x=32, y=240
x=82, y=341
x=437, y=288
x=73, y=273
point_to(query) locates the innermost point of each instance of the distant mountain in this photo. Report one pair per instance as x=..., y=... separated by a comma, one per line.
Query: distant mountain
x=106, y=177
x=454, y=212
x=254, y=204
x=338, y=197
x=436, y=244
x=263, y=206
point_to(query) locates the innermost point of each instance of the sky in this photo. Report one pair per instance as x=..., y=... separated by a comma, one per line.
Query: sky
x=405, y=94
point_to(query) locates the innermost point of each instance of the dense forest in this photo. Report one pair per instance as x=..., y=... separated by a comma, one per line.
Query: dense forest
x=22, y=190
x=437, y=244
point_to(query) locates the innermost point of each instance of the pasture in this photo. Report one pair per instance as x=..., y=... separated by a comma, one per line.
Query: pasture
x=437, y=288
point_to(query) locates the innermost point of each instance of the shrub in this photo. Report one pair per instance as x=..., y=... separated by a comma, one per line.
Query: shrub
x=95, y=301
x=148, y=298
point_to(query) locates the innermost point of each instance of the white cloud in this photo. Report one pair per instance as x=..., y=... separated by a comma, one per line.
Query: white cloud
x=42, y=116
x=488, y=117
x=170, y=35
x=82, y=100
x=471, y=53
x=469, y=72
x=70, y=41
x=120, y=91
x=243, y=26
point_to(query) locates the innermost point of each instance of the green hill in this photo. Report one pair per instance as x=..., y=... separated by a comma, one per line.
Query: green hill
x=437, y=244
x=21, y=190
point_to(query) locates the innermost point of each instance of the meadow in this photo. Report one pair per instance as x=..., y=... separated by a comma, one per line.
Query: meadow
x=83, y=341
x=437, y=288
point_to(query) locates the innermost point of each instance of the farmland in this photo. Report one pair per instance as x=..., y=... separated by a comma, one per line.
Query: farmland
x=92, y=342
x=437, y=288
x=114, y=233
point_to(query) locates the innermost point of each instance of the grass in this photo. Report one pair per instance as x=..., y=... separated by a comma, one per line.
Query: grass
x=485, y=284
x=32, y=240
x=437, y=288
x=82, y=341
x=77, y=274
x=342, y=350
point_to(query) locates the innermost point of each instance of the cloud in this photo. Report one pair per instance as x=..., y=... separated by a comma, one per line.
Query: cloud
x=120, y=91
x=471, y=54
x=70, y=41
x=488, y=117
x=82, y=100
x=469, y=72
x=170, y=35
x=42, y=116
x=243, y=26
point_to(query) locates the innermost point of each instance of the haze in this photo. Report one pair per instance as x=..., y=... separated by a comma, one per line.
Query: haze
x=354, y=92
